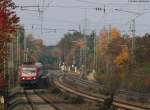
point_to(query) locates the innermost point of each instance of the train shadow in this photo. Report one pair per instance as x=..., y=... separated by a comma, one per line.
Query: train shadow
x=38, y=85
x=29, y=86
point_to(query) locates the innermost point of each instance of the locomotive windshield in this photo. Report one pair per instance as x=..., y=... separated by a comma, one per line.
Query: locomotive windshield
x=29, y=70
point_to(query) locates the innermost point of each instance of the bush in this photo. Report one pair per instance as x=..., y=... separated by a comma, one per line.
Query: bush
x=55, y=91
x=142, y=99
x=76, y=100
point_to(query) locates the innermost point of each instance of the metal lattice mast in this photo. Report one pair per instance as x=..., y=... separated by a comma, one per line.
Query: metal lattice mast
x=133, y=43
x=85, y=40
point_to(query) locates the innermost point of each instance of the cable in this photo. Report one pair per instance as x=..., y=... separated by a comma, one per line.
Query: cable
x=84, y=1
x=50, y=2
x=111, y=3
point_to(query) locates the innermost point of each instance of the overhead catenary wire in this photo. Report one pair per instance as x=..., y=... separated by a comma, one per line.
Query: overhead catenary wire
x=41, y=15
x=104, y=8
x=112, y=5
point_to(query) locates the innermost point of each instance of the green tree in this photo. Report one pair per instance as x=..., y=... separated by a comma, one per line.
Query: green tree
x=68, y=46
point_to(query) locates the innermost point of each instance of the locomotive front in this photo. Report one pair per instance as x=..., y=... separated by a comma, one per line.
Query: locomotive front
x=28, y=74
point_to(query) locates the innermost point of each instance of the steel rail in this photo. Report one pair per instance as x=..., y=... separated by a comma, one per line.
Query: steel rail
x=47, y=101
x=29, y=100
x=117, y=103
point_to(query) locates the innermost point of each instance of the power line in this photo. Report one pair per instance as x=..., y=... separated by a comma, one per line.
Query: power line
x=129, y=2
x=57, y=6
x=138, y=1
x=41, y=15
x=97, y=8
x=50, y=2
x=128, y=11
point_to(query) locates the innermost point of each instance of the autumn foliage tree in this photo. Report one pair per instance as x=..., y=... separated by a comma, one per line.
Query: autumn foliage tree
x=112, y=54
x=119, y=51
x=35, y=47
x=8, y=26
x=69, y=44
x=79, y=44
x=104, y=42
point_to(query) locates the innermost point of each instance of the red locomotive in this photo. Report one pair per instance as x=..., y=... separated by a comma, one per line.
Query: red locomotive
x=28, y=74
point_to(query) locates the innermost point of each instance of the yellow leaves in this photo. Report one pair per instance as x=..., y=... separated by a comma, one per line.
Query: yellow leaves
x=105, y=38
x=122, y=57
x=80, y=43
x=115, y=33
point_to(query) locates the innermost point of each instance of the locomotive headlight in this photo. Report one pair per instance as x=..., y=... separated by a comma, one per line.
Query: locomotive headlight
x=34, y=78
x=23, y=78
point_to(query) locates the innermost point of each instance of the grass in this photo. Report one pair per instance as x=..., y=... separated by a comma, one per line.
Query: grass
x=141, y=69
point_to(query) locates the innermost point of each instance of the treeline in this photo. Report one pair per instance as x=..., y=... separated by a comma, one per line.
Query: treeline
x=118, y=60
x=38, y=52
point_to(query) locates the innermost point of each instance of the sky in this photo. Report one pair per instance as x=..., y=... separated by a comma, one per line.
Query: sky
x=62, y=16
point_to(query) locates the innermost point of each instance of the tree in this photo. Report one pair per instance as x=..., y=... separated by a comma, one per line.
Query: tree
x=35, y=47
x=8, y=20
x=143, y=50
x=113, y=54
x=68, y=46
x=118, y=49
x=103, y=45
x=8, y=26
x=56, y=52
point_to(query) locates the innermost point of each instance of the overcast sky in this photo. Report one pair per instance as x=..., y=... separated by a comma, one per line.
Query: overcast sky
x=65, y=15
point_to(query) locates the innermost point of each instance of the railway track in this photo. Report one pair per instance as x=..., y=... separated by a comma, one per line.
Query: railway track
x=47, y=100
x=117, y=103
x=29, y=101
x=84, y=83
x=38, y=101
x=99, y=88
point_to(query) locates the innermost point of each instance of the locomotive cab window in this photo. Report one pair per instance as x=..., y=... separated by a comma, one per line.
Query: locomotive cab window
x=29, y=70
